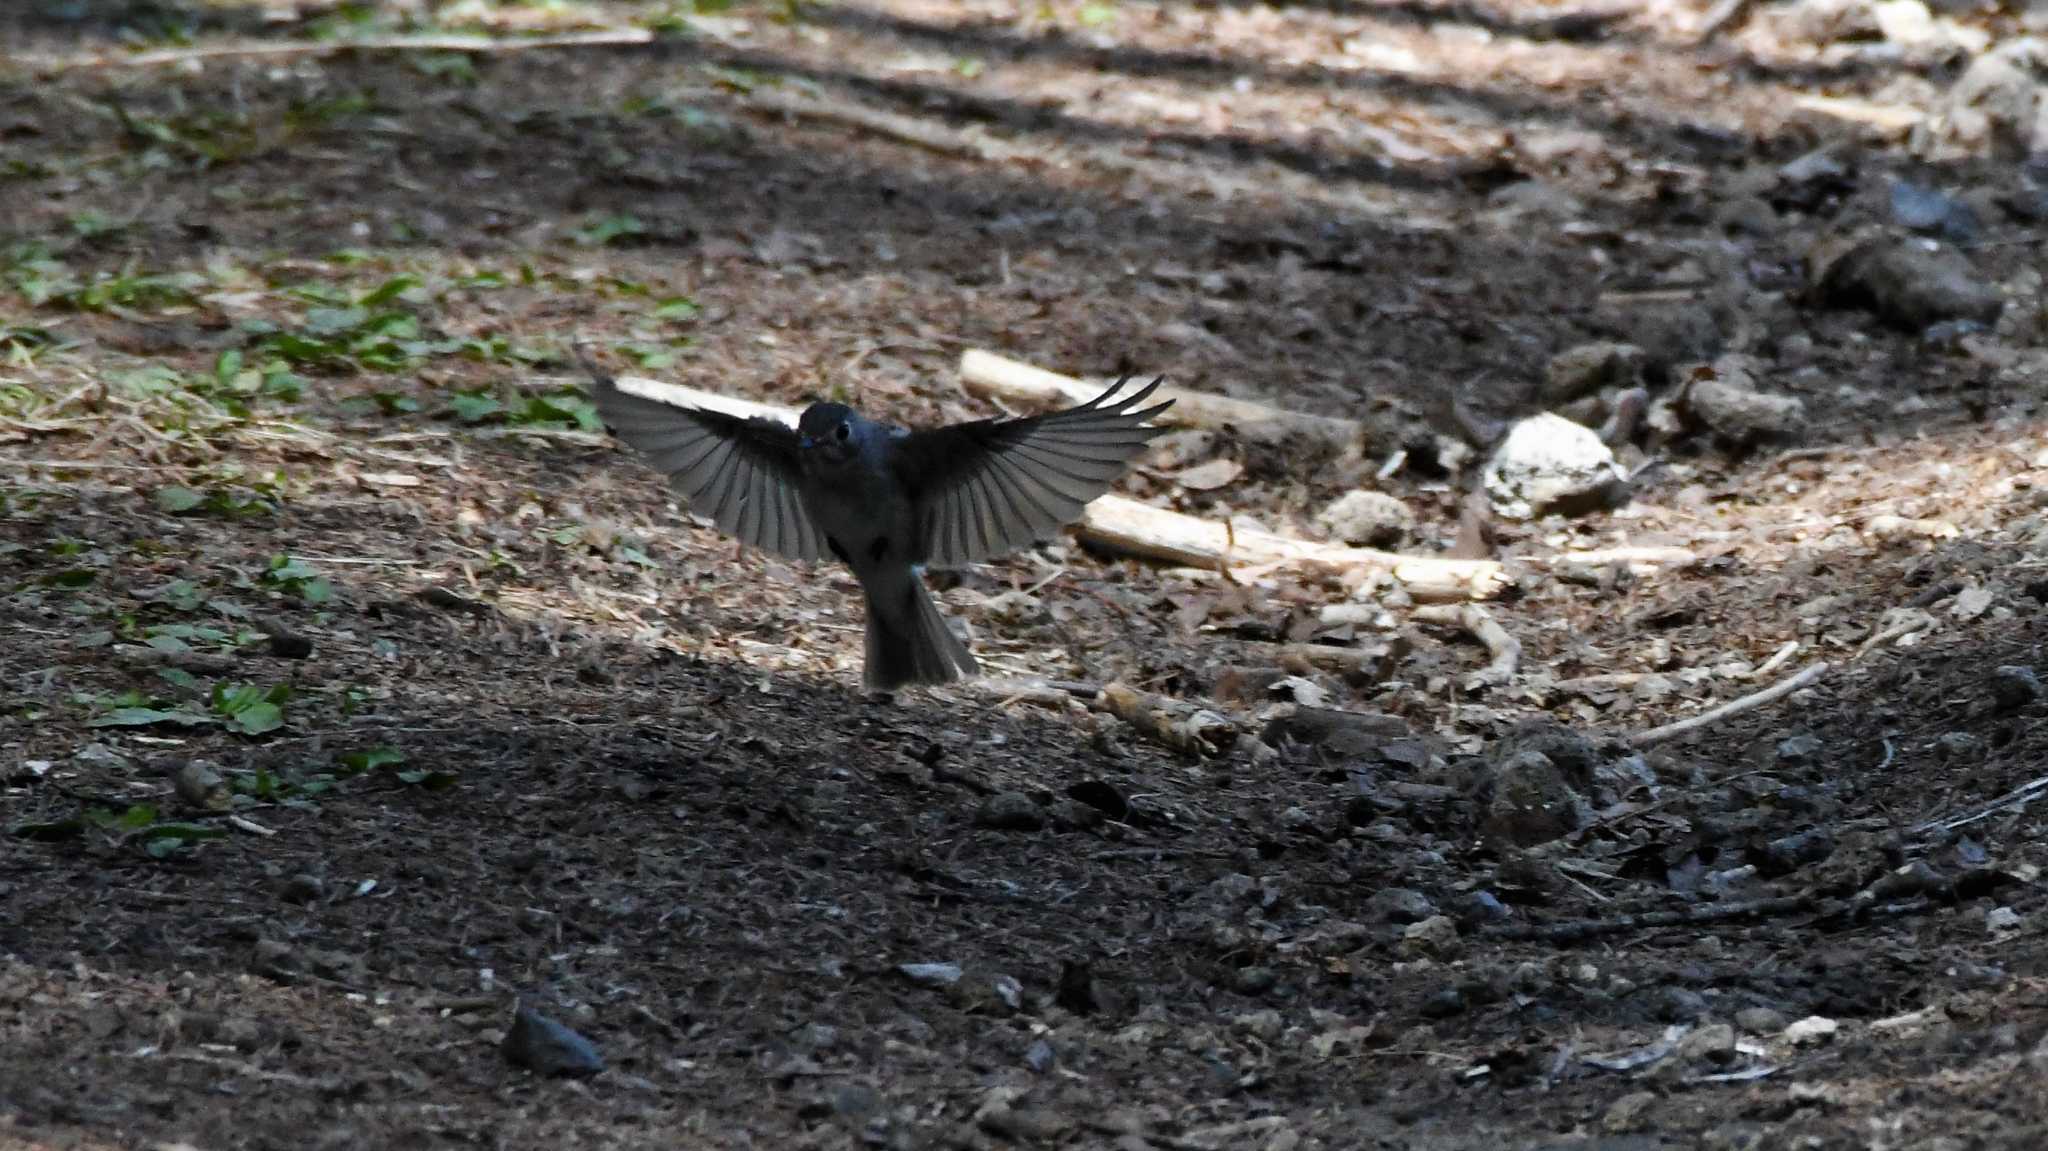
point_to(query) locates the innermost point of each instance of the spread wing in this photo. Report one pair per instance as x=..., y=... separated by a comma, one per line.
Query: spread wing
x=991, y=486
x=742, y=473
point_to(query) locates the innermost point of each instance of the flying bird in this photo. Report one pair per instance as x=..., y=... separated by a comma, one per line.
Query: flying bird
x=886, y=500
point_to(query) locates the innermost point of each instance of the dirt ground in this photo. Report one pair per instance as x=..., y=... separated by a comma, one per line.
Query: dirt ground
x=295, y=486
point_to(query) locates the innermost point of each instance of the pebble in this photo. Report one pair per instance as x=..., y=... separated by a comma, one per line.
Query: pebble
x=2014, y=687
x=1436, y=937
x=1713, y=1043
x=2000, y=920
x=1400, y=905
x=1010, y=811
x=1367, y=518
x=546, y=1047
x=1760, y=1020
x=1811, y=1031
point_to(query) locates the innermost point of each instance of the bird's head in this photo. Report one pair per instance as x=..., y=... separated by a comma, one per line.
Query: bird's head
x=829, y=433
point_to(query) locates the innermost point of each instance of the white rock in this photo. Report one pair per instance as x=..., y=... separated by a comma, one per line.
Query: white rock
x=1367, y=518
x=1549, y=464
x=1813, y=1029
x=2000, y=920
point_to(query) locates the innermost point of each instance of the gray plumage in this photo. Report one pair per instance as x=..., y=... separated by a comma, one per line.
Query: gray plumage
x=886, y=500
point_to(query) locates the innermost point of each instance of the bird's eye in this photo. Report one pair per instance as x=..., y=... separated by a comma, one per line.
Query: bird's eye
x=841, y=432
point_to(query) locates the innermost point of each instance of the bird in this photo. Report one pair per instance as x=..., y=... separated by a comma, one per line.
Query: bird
x=887, y=500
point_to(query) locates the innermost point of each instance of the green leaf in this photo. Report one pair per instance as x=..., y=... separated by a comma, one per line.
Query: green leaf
x=372, y=759
x=175, y=499
x=431, y=780
x=474, y=407
x=94, y=639
x=676, y=308
x=71, y=577
x=388, y=291
x=257, y=718
x=228, y=365
x=136, y=818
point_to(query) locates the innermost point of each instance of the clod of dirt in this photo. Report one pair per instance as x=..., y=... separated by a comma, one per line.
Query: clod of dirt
x=1010, y=811
x=1435, y=937
x=289, y=645
x=1727, y=401
x=1531, y=801
x=1800, y=750
x=200, y=786
x=1399, y=905
x=1550, y=465
x=303, y=888
x=2014, y=687
x=545, y=1047
x=1443, y=1003
x=1628, y=1113
x=1910, y=283
x=1813, y=179
x=1589, y=368
x=1760, y=1020
x=1076, y=991
x=1367, y=519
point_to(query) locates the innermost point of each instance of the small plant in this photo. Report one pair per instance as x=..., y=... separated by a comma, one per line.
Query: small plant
x=296, y=577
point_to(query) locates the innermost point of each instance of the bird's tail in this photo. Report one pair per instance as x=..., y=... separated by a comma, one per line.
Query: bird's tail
x=908, y=640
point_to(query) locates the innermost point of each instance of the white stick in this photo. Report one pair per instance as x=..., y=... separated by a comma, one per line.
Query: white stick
x=1779, y=690
x=272, y=49
x=994, y=377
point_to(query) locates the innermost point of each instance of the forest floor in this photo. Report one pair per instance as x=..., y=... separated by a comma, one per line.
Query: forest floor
x=296, y=486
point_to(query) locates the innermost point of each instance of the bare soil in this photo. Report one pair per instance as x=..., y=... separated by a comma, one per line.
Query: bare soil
x=544, y=736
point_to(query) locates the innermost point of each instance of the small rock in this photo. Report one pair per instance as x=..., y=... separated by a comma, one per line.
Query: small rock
x=546, y=1047
x=1531, y=803
x=1910, y=283
x=1010, y=811
x=2014, y=687
x=1026, y=1124
x=1680, y=1005
x=1265, y=1024
x=1589, y=368
x=1443, y=1004
x=2000, y=920
x=1711, y=1043
x=816, y=1036
x=1760, y=1020
x=1040, y=1056
x=1009, y=991
x=931, y=974
x=1626, y=1114
x=1811, y=1031
x=1928, y=210
x=1799, y=750
x=1255, y=980
x=304, y=888
x=1400, y=905
x=1727, y=400
x=1367, y=519
x=855, y=1100
x=199, y=785
x=1548, y=464
x=1436, y=937
x=1481, y=907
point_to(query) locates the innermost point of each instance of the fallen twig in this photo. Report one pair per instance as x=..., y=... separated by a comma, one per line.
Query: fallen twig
x=994, y=377
x=1129, y=527
x=274, y=49
x=1574, y=930
x=1779, y=690
x=1169, y=722
x=1479, y=623
x=2013, y=800
x=933, y=137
